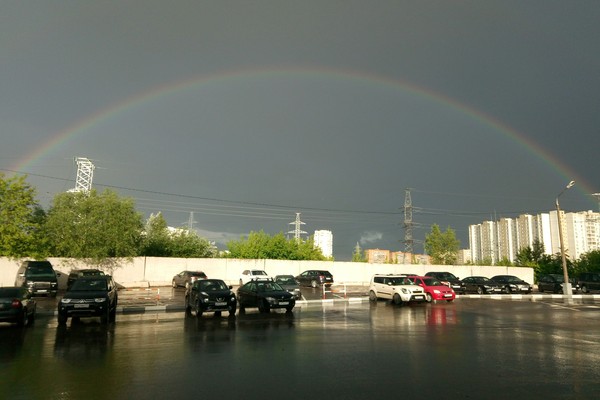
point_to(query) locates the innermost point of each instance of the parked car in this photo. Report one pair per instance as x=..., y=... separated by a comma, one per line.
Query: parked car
x=554, y=283
x=448, y=279
x=251, y=274
x=17, y=305
x=434, y=289
x=186, y=278
x=264, y=294
x=512, y=284
x=38, y=277
x=289, y=283
x=78, y=273
x=210, y=295
x=398, y=288
x=315, y=278
x=90, y=296
x=480, y=285
x=589, y=281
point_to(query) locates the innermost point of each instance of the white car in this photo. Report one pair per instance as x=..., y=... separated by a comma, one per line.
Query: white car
x=397, y=288
x=252, y=274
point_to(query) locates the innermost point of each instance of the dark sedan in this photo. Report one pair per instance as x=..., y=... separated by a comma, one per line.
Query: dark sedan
x=187, y=278
x=90, y=296
x=289, y=283
x=210, y=295
x=16, y=305
x=266, y=295
x=315, y=278
x=554, y=283
x=512, y=284
x=480, y=285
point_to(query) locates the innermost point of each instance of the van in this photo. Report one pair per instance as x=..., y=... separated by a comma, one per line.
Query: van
x=38, y=277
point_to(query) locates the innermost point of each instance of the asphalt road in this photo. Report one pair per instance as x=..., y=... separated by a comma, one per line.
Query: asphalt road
x=468, y=349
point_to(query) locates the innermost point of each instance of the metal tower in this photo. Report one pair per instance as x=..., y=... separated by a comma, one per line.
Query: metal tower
x=85, y=175
x=408, y=223
x=597, y=196
x=297, y=231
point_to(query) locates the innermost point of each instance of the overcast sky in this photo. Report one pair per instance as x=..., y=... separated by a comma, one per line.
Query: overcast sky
x=247, y=112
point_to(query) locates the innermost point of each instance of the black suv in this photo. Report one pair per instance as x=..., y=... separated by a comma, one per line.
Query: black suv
x=38, y=277
x=589, y=281
x=315, y=278
x=210, y=295
x=554, y=283
x=266, y=295
x=90, y=296
x=448, y=279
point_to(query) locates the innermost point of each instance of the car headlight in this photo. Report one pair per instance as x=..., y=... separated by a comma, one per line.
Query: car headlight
x=436, y=291
x=271, y=300
x=29, y=283
x=65, y=301
x=53, y=284
x=100, y=299
x=405, y=290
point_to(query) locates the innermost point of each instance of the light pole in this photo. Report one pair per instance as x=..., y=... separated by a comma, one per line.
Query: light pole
x=566, y=285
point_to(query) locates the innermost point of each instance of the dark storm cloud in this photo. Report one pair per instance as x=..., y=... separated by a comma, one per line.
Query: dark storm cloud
x=365, y=100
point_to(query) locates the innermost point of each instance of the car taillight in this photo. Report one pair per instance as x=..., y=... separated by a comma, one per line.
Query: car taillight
x=16, y=303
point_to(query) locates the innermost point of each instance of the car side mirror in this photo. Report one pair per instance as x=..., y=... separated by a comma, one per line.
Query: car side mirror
x=230, y=287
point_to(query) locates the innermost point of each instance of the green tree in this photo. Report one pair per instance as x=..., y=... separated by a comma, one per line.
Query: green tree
x=589, y=262
x=156, y=240
x=259, y=245
x=20, y=218
x=188, y=244
x=442, y=246
x=93, y=226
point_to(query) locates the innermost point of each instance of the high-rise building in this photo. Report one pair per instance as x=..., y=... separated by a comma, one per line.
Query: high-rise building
x=324, y=240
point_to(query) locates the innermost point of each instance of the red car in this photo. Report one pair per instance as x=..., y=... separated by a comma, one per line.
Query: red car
x=434, y=289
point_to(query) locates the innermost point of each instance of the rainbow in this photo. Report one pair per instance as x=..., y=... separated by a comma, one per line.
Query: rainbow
x=83, y=125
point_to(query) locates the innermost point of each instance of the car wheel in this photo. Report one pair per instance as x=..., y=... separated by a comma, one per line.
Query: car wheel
x=187, y=306
x=396, y=299
x=314, y=283
x=217, y=313
x=62, y=319
x=231, y=311
x=479, y=290
x=173, y=283
x=429, y=298
x=113, y=314
x=263, y=307
x=450, y=301
x=104, y=318
x=540, y=289
x=584, y=289
x=372, y=296
x=198, y=310
x=289, y=309
x=508, y=289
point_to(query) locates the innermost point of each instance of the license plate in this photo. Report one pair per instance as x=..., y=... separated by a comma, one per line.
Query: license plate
x=284, y=303
x=41, y=290
x=220, y=303
x=81, y=306
x=447, y=295
x=419, y=297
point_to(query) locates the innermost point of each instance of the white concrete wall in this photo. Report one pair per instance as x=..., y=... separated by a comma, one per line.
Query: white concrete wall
x=157, y=271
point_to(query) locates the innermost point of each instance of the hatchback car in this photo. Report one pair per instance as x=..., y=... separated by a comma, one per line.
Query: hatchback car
x=210, y=295
x=315, y=278
x=17, y=305
x=434, y=289
x=398, y=288
x=38, y=277
x=264, y=294
x=187, y=278
x=554, y=283
x=512, y=284
x=480, y=285
x=90, y=296
x=251, y=274
x=289, y=283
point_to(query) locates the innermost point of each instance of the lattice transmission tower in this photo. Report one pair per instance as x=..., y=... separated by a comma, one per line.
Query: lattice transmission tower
x=297, y=232
x=408, y=223
x=85, y=175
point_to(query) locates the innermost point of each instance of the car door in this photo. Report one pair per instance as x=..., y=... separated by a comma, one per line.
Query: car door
x=248, y=294
x=468, y=284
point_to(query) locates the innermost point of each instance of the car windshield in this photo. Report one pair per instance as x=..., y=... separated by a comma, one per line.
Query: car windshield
x=285, y=280
x=38, y=271
x=445, y=276
x=268, y=287
x=89, y=285
x=401, y=281
x=432, y=282
x=10, y=292
x=512, y=279
x=92, y=273
x=483, y=280
x=198, y=274
x=259, y=273
x=212, y=285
